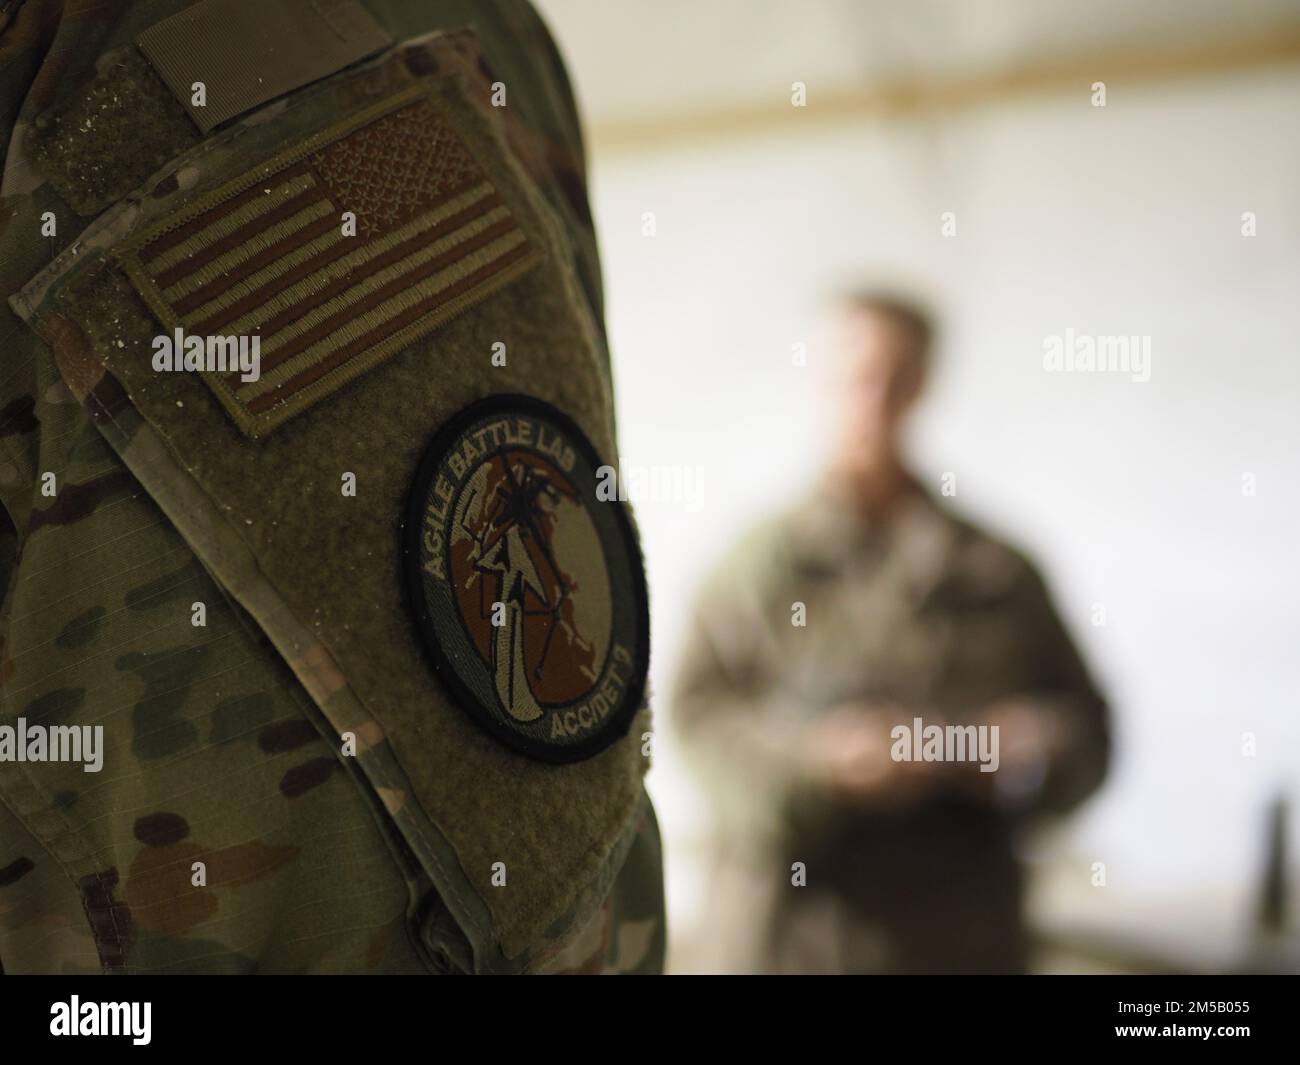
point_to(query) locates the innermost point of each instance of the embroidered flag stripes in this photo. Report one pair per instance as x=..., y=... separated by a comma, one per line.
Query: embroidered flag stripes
x=336, y=255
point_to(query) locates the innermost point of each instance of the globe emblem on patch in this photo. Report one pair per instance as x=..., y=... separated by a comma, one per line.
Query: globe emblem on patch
x=528, y=590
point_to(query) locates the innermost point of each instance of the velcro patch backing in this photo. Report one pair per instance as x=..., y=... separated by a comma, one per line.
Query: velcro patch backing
x=246, y=54
x=328, y=258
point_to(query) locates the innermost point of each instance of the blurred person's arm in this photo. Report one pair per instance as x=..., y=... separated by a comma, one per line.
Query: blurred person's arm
x=726, y=700
x=1054, y=734
x=744, y=721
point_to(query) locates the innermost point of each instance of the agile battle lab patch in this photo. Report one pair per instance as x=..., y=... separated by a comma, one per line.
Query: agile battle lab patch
x=528, y=589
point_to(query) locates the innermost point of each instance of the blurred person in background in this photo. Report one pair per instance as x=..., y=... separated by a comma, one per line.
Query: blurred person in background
x=816, y=647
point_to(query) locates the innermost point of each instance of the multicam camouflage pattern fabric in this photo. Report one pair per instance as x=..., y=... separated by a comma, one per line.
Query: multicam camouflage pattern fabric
x=628, y=935
x=222, y=745
x=924, y=613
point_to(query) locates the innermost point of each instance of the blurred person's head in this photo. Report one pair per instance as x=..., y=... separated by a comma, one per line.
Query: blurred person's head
x=881, y=350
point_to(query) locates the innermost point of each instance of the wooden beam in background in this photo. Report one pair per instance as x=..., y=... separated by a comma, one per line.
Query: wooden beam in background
x=912, y=99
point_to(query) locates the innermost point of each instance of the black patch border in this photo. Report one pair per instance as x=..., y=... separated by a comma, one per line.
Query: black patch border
x=620, y=720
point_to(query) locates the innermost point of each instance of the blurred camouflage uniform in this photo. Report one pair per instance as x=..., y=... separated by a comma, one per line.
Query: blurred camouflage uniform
x=922, y=613
x=223, y=742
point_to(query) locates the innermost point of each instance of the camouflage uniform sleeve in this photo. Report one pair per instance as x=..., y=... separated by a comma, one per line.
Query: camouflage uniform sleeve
x=1064, y=693
x=225, y=752
x=628, y=934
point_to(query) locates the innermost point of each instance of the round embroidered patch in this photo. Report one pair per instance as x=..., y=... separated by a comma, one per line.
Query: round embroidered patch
x=527, y=585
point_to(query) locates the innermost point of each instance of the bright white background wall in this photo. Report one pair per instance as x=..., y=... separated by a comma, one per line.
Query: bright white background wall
x=1117, y=220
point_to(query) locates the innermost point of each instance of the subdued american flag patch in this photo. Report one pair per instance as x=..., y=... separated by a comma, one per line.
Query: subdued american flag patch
x=268, y=255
